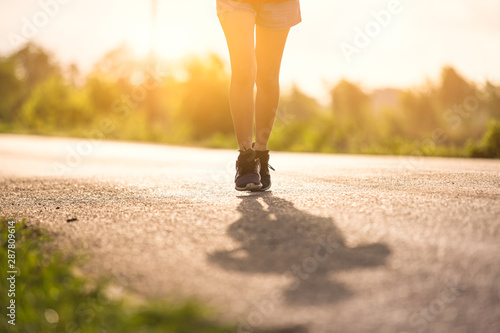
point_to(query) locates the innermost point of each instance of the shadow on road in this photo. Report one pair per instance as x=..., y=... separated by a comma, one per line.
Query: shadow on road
x=307, y=249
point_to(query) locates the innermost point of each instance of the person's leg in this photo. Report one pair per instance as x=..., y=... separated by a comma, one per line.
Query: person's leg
x=269, y=51
x=239, y=31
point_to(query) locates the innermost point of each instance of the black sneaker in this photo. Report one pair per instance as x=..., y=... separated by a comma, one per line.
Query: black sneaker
x=265, y=176
x=247, y=171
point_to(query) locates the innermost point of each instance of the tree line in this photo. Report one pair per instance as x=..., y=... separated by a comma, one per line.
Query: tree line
x=186, y=103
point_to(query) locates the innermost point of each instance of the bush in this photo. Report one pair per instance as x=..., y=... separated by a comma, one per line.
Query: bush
x=489, y=145
x=54, y=106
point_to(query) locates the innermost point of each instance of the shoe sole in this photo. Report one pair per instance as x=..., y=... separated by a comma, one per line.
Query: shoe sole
x=249, y=187
x=265, y=188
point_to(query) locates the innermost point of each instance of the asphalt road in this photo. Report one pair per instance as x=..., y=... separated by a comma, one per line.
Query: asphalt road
x=341, y=243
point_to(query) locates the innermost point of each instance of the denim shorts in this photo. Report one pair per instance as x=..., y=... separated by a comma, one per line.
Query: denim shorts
x=279, y=15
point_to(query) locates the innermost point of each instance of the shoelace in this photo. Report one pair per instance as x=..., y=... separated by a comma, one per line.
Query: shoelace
x=268, y=165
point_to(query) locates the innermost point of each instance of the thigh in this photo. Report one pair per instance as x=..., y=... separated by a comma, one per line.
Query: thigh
x=239, y=30
x=269, y=49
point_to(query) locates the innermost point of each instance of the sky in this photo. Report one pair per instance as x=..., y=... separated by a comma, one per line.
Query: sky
x=376, y=43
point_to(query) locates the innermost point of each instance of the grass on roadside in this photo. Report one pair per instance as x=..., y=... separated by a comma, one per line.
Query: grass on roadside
x=50, y=297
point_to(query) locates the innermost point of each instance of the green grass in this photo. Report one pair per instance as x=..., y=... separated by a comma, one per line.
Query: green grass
x=51, y=297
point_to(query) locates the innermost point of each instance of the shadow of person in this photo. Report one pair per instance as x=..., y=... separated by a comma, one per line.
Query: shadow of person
x=307, y=249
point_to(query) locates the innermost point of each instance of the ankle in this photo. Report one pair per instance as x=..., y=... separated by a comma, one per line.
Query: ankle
x=243, y=146
x=260, y=147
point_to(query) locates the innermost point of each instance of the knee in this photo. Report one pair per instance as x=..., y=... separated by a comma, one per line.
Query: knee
x=267, y=81
x=243, y=75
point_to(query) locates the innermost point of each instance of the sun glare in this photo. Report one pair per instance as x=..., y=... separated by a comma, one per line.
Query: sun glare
x=140, y=43
x=165, y=36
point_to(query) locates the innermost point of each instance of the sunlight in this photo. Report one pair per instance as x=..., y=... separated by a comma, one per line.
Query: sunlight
x=140, y=41
x=143, y=35
x=160, y=34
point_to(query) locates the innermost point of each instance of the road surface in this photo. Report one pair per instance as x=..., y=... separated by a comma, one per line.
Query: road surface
x=341, y=243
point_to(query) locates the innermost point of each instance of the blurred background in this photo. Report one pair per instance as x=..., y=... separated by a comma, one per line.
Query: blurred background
x=374, y=77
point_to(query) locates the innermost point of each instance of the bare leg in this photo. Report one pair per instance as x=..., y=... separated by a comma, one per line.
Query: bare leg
x=239, y=31
x=269, y=51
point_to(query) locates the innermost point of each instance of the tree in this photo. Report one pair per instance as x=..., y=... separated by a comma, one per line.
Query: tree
x=296, y=105
x=349, y=100
x=34, y=65
x=11, y=91
x=454, y=88
x=54, y=107
x=204, y=97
